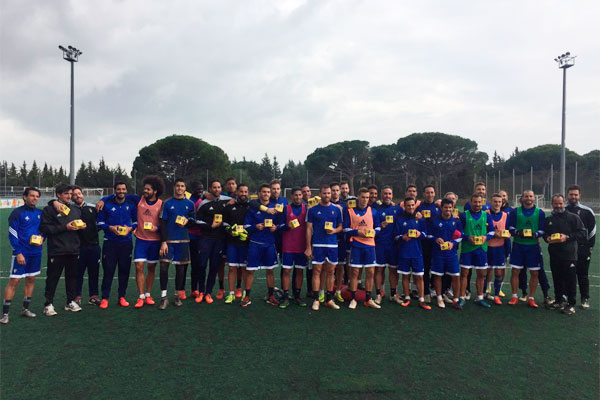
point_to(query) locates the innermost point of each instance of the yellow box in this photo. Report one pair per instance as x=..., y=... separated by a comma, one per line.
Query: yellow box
x=555, y=236
x=148, y=226
x=239, y=228
x=478, y=240
x=412, y=233
x=122, y=230
x=328, y=225
x=268, y=223
x=295, y=223
x=389, y=219
x=78, y=223
x=445, y=246
x=65, y=210
x=505, y=234
x=426, y=213
x=253, y=197
x=313, y=201
x=527, y=233
x=455, y=213
x=181, y=220
x=279, y=207
x=36, y=240
x=218, y=218
x=351, y=203
x=370, y=233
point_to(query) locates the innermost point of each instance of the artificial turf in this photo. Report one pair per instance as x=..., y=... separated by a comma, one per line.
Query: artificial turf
x=225, y=351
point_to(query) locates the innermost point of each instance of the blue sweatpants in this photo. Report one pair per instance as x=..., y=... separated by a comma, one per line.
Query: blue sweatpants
x=116, y=254
x=211, y=256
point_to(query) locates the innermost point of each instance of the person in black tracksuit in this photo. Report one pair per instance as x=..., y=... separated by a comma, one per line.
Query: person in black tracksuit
x=63, y=249
x=213, y=237
x=584, y=251
x=89, y=249
x=237, y=249
x=563, y=251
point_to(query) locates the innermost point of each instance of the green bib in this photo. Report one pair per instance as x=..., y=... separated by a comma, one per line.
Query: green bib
x=531, y=222
x=474, y=227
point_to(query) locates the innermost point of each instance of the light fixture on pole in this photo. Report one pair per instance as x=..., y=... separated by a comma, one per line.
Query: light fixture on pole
x=564, y=61
x=71, y=54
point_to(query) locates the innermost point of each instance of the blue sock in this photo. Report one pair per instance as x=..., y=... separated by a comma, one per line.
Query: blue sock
x=497, y=286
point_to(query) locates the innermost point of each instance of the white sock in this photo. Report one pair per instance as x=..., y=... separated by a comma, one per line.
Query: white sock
x=422, y=299
x=231, y=292
x=338, y=291
x=148, y=294
x=440, y=298
x=163, y=293
x=142, y=296
x=515, y=295
x=479, y=297
x=322, y=291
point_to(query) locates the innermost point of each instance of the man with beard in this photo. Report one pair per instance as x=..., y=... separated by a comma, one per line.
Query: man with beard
x=584, y=250
x=526, y=225
x=429, y=210
x=177, y=213
x=478, y=229
x=293, y=247
x=118, y=218
x=323, y=222
x=385, y=247
x=261, y=225
x=26, y=241
x=237, y=242
x=408, y=233
x=563, y=231
x=361, y=224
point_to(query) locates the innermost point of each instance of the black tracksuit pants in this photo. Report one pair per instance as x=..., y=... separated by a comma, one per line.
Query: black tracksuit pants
x=56, y=264
x=564, y=275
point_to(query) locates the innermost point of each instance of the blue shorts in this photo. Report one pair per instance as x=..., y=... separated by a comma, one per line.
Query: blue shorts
x=179, y=253
x=237, y=256
x=386, y=254
x=526, y=255
x=322, y=254
x=146, y=251
x=445, y=265
x=496, y=258
x=263, y=256
x=406, y=265
x=31, y=268
x=291, y=260
x=474, y=259
x=341, y=252
x=362, y=257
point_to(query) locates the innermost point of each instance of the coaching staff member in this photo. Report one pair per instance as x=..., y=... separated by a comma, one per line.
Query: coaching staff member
x=563, y=231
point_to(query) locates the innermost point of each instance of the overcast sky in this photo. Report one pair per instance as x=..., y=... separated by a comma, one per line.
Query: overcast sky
x=285, y=77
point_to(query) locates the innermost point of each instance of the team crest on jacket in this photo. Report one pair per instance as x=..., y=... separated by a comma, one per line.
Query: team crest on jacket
x=404, y=224
x=440, y=224
x=27, y=218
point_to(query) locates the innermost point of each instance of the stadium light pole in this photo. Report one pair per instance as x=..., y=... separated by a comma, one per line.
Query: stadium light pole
x=564, y=61
x=71, y=54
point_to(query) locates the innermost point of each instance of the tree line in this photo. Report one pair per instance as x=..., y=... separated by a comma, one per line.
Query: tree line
x=449, y=162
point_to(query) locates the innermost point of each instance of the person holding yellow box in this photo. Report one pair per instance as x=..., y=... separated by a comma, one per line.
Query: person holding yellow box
x=478, y=229
x=410, y=253
x=323, y=223
x=564, y=230
x=26, y=241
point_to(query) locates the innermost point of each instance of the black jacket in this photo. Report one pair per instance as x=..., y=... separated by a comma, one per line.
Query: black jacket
x=235, y=214
x=54, y=225
x=89, y=235
x=589, y=221
x=568, y=224
x=205, y=216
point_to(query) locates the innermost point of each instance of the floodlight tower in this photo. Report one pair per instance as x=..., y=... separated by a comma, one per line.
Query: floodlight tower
x=564, y=61
x=71, y=54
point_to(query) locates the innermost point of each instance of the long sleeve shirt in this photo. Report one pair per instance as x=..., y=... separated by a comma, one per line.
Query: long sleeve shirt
x=24, y=222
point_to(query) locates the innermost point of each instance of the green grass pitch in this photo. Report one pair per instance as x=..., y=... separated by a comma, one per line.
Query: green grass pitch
x=224, y=351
